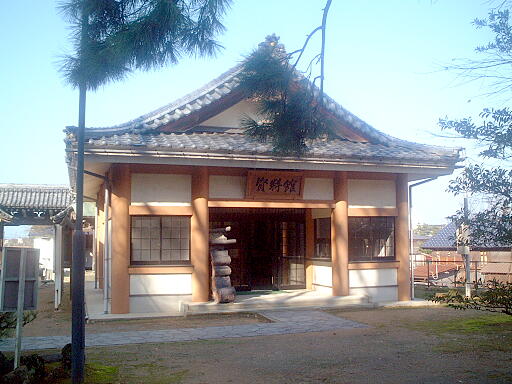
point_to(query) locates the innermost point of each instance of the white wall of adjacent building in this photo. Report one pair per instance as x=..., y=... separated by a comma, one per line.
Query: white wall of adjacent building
x=46, y=256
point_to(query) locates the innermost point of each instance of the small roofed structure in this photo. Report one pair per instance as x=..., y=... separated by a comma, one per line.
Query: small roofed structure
x=40, y=204
x=34, y=204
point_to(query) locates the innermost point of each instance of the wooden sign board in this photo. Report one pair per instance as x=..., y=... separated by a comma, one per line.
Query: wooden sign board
x=272, y=185
x=11, y=276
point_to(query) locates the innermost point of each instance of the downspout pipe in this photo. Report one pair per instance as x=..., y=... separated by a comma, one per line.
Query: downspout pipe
x=411, y=235
x=106, y=250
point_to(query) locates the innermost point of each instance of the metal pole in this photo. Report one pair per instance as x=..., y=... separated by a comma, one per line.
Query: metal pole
x=412, y=256
x=78, y=259
x=467, y=256
x=19, y=308
x=106, y=251
x=476, y=274
x=428, y=273
x=94, y=248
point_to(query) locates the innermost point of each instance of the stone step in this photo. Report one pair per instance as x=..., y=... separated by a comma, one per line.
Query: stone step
x=269, y=302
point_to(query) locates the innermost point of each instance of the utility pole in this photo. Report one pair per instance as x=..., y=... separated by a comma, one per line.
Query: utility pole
x=467, y=255
x=78, y=259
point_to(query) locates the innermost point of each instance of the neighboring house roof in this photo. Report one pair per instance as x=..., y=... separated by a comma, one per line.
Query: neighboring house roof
x=175, y=131
x=441, y=269
x=35, y=196
x=445, y=240
x=34, y=204
x=497, y=268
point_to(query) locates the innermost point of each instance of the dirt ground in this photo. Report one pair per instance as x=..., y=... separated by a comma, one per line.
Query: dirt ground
x=434, y=345
x=400, y=346
x=58, y=323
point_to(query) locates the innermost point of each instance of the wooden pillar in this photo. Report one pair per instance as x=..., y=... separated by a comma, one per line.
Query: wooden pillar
x=199, y=226
x=339, y=236
x=121, y=190
x=402, y=237
x=310, y=247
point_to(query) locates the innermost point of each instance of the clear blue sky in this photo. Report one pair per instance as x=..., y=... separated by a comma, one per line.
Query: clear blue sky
x=383, y=61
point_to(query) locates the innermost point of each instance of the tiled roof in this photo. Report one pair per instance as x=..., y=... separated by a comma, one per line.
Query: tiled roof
x=237, y=143
x=213, y=91
x=425, y=270
x=223, y=88
x=444, y=240
x=55, y=197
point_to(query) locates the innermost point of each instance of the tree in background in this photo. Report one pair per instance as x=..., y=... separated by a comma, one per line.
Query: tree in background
x=289, y=102
x=493, y=133
x=427, y=229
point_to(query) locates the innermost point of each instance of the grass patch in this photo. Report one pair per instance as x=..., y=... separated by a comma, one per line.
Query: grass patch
x=145, y=365
x=97, y=374
x=485, y=324
x=485, y=333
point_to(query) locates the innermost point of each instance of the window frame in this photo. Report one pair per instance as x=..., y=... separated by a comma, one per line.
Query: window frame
x=160, y=262
x=327, y=240
x=374, y=258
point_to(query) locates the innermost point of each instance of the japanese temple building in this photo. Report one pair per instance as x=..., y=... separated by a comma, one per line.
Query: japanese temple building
x=335, y=219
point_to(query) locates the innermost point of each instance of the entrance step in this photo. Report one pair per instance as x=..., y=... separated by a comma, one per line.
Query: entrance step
x=285, y=300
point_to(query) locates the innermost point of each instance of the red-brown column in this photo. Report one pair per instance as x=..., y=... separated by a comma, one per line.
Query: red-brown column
x=310, y=247
x=402, y=237
x=120, y=203
x=339, y=236
x=199, y=226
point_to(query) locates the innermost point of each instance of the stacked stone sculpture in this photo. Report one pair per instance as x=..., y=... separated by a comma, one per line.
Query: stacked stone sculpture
x=222, y=290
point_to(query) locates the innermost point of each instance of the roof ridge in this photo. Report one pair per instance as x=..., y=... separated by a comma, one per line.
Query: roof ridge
x=190, y=97
x=218, y=88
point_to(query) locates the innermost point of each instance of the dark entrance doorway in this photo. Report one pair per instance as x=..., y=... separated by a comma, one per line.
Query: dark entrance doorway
x=269, y=253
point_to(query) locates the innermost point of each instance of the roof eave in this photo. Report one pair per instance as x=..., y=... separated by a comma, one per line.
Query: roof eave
x=265, y=161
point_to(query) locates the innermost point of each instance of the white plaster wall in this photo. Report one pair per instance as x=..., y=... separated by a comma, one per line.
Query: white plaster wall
x=45, y=246
x=161, y=189
x=229, y=187
x=322, y=278
x=372, y=277
x=231, y=116
x=318, y=189
x=371, y=193
x=172, y=284
x=321, y=213
x=377, y=294
x=152, y=304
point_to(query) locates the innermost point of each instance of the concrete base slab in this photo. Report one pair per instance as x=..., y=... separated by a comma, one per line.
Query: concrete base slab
x=290, y=299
